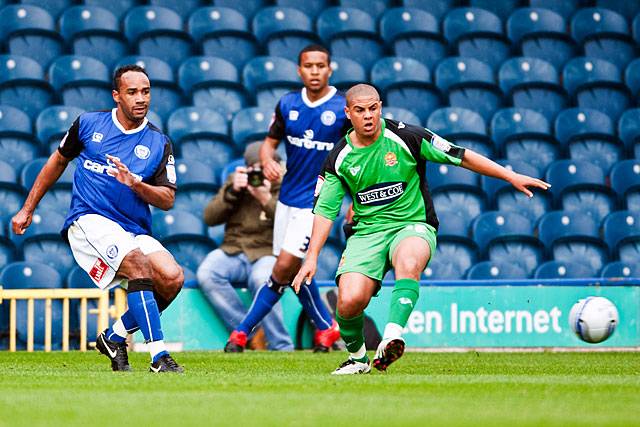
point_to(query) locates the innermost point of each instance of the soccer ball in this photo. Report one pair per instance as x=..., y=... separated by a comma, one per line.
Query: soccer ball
x=593, y=319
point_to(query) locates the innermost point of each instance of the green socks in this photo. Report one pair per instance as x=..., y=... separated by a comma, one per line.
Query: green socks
x=351, y=331
x=403, y=300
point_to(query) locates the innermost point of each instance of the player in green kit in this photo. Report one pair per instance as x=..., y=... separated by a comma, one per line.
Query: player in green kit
x=381, y=164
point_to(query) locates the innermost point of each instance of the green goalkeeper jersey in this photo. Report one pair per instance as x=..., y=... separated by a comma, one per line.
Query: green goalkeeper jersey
x=386, y=179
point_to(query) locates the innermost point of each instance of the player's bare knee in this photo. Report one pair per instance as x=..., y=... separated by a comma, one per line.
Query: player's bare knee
x=409, y=267
x=135, y=265
x=351, y=304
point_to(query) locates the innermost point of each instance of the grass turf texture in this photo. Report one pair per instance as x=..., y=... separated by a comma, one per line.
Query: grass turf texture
x=261, y=388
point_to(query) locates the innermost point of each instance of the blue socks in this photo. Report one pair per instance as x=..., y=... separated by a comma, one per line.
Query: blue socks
x=313, y=305
x=262, y=304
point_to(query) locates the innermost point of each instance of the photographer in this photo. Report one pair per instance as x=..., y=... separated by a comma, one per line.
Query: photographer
x=246, y=203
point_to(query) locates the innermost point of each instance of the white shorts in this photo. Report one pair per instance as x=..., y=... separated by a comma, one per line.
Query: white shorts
x=292, y=230
x=99, y=245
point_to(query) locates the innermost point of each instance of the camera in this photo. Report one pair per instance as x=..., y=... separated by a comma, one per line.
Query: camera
x=255, y=178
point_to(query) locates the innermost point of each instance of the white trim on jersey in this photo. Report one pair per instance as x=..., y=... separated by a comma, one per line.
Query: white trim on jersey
x=343, y=153
x=395, y=138
x=314, y=104
x=122, y=129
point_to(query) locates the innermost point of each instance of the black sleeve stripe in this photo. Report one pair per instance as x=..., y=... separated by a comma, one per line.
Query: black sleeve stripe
x=71, y=146
x=276, y=130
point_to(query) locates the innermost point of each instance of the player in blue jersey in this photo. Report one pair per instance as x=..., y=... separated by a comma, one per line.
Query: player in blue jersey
x=124, y=164
x=310, y=121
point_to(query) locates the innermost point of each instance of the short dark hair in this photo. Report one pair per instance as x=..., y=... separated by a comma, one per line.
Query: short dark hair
x=125, y=68
x=314, y=48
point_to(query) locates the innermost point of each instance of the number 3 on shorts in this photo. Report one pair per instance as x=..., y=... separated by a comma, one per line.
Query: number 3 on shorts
x=305, y=245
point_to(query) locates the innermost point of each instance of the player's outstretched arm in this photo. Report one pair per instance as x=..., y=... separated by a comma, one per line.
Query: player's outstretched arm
x=158, y=196
x=321, y=229
x=480, y=164
x=48, y=176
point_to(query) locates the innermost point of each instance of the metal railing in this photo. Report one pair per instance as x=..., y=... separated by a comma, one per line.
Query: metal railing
x=103, y=311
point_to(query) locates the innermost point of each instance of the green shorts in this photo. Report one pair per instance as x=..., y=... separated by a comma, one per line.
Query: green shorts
x=370, y=254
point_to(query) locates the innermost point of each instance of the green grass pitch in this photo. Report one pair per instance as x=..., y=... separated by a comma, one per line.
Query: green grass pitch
x=261, y=388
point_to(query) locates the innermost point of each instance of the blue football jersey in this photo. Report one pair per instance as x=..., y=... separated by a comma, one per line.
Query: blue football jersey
x=309, y=130
x=146, y=151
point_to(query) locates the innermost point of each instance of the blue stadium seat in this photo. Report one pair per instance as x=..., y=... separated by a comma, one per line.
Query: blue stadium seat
x=469, y=83
x=589, y=135
x=620, y=269
x=31, y=170
x=477, y=33
x=189, y=252
x=463, y=202
x=17, y=145
x=573, y=237
x=312, y=8
x=580, y=186
x=7, y=254
x=449, y=177
x=193, y=200
x=328, y=260
x=636, y=28
x=54, y=7
x=628, y=9
x=501, y=8
x=251, y=124
x=413, y=33
x=406, y=83
x=629, y=252
x=188, y=123
x=494, y=270
x=452, y=259
x=346, y=72
x=438, y=8
x=201, y=134
x=400, y=114
x=463, y=127
x=524, y=135
x=351, y=33
x=225, y=33
x=629, y=131
x=216, y=233
x=79, y=279
x=541, y=33
x=177, y=224
x=283, y=31
x=42, y=242
x=155, y=120
x=508, y=237
x=563, y=270
x=621, y=228
x=22, y=84
x=30, y=31
x=373, y=7
x=53, y=123
x=166, y=96
x=118, y=7
x=184, y=8
x=213, y=83
x=565, y=8
x=82, y=82
x=533, y=83
x=270, y=77
x=505, y=198
x=8, y=177
x=195, y=173
x=603, y=34
x=158, y=32
x=247, y=8
x=632, y=77
x=56, y=200
x=625, y=181
x=29, y=275
x=93, y=31
x=596, y=83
